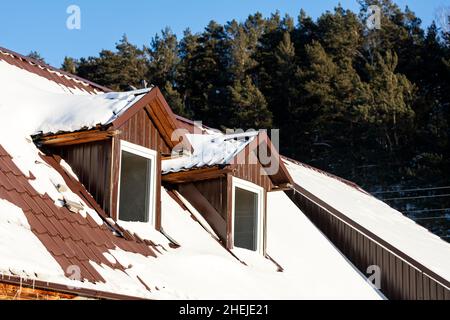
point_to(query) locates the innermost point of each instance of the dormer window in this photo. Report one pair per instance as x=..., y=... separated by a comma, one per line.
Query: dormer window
x=247, y=213
x=137, y=183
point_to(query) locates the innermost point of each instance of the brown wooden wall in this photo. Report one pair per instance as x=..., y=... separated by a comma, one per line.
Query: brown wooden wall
x=91, y=162
x=140, y=129
x=400, y=278
x=252, y=173
x=215, y=191
x=15, y=292
x=218, y=193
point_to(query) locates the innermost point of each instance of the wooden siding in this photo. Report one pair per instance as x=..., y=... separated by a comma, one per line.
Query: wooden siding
x=215, y=191
x=91, y=162
x=16, y=292
x=253, y=173
x=141, y=130
x=400, y=279
x=138, y=129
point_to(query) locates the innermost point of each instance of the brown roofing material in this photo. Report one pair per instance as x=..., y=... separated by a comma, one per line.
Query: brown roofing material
x=69, y=237
x=53, y=74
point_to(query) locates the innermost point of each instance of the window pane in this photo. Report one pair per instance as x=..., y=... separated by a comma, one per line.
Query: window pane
x=245, y=219
x=134, y=188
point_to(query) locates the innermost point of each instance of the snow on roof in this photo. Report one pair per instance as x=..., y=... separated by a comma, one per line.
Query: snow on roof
x=377, y=217
x=63, y=78
x=200, y=268
x=308, y=257
x=210, y=149
x=203, y=269
x=41, y=105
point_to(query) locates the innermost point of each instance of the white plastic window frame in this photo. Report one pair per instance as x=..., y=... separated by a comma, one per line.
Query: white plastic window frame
x=152, y=156
x=251, y=187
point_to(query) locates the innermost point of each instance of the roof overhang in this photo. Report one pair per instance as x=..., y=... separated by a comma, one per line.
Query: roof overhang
x=197, y=174
x=154, y=105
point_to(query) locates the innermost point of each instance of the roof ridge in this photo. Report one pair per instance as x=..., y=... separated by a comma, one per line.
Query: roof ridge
x=328, y=174
x=50, y=68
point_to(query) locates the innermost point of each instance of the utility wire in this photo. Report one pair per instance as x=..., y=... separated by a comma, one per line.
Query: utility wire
x=417, y=197
x=425, y=210
x=411, y=190
x=429, y=218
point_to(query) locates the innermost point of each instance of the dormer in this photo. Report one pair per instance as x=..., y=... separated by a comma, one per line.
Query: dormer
x=227, y=179
x=118, y=159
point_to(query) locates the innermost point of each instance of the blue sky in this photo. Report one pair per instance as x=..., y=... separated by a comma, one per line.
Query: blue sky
x=41, y=25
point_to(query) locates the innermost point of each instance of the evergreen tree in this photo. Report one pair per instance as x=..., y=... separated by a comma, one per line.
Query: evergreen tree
x=249, y=106
x=36, y=56
x=390, y=109
x=124, y=69
x=69, y=65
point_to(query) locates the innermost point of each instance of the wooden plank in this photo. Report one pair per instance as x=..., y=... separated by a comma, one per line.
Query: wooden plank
x=229, y=211
x=72, y=138
x=158, y=193
x=195, y=175
x=199, y=202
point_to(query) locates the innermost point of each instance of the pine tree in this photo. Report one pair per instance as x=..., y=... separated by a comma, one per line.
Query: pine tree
x=390, y=109
x=249, y=106
x=208, y=68
x=163, y=68
x=163, y=58
x=69, y=65
x=124, y=69
x=36, y=56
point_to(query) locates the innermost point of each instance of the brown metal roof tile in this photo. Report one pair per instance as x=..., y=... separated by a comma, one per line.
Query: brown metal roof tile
x=50, y=244
x=8, y=166
x=83, y=233
x=4, y=181
x=62, y=232
x=84, y=272
x=94, y=276
x=79, y=219
x=71, y=248
x=34, y=222
x=27, y=186
x=64, y=263
x=46, y=71
x=57, y=211
x=90, y=255
x=30, y=202
x=76, y=246
x=3, y=152
x=15, y=198
x=72, y=228
x=91, y=222
x=15, y=181
x=107, y=238
x=43, y=206
x=47, y=224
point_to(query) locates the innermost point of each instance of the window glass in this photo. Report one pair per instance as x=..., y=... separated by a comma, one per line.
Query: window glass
x=246, y=219
x=135, y=190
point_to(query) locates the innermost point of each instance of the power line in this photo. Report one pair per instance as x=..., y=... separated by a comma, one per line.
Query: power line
x=425, y=210
x=417, y=197
x=429, y=218
x=411, y=190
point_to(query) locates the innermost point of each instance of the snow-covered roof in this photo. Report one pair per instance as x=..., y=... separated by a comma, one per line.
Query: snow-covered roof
x=210, y=149
x=147, y=265
x=377, y=217
x=41, y=239
x=46, y=71
x=40, y=105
